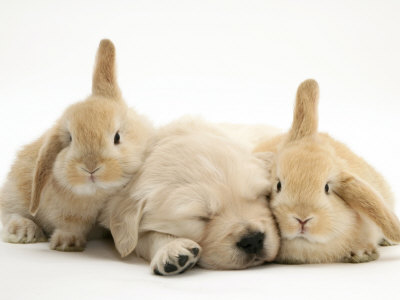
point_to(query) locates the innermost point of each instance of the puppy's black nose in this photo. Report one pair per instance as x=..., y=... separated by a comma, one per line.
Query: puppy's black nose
x=252, y=243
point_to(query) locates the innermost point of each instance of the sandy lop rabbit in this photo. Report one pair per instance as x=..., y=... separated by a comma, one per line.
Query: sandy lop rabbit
x=58, y=183
x=331, y=205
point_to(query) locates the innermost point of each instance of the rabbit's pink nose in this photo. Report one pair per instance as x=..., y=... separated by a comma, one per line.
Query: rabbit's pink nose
x=303, y=223
x=92, y=171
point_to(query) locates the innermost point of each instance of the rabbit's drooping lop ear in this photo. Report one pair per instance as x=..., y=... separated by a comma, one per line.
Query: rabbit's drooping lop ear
x=305, y=118
x=104, y=76
x=124, y=225
x=44, y=165
x=363, y=198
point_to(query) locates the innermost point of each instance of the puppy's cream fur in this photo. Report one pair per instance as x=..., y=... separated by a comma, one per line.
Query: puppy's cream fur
x=196, y=189
x=59, y=183
x=247, y=135
x=346, y=205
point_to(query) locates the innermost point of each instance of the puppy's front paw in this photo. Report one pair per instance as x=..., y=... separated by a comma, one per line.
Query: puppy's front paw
x=21, y=230
x=67, y=241
x=176, y=257
x=361, y=256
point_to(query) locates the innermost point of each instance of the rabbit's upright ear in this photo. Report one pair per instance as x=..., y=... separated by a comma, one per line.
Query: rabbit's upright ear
x=124, y=225
x=305, y=117
x=364, y=199
x=104, y=76
x=44, y=165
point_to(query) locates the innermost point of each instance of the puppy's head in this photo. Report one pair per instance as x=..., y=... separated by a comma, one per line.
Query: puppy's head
x=242, y=236
x=241, y=231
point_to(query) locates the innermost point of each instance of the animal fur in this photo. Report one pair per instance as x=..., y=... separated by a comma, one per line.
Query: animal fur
x=330, y=204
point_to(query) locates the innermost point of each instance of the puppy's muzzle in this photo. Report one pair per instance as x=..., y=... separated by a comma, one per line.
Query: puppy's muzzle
x=252, y=243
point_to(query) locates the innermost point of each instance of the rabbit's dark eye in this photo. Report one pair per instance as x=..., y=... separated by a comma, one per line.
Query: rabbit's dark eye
x=116, y=138
x=279, y=186
x=326, y=188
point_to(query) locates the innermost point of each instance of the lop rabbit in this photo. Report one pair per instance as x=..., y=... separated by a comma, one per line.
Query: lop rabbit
x=59, y=183
x=330, y=204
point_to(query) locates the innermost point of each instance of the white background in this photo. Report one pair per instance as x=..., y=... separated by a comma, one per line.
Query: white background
x=235, y=61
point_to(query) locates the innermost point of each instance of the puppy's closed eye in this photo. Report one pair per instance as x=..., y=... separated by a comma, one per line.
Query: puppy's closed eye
x=204, y=219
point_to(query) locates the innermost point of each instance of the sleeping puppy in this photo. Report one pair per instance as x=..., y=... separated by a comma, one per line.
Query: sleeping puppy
x=199, y=197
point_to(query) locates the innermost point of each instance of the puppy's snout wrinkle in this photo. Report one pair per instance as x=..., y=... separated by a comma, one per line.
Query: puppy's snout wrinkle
x=252, y=243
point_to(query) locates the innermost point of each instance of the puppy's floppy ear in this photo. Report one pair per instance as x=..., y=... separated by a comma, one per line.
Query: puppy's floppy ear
x=267, y=158
x=305, y=117
x=363, y=198
x=124, y=225
x=104, y=76
x=53, y=144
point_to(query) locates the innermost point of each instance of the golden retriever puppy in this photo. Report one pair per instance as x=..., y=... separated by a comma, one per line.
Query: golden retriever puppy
x=199, y=197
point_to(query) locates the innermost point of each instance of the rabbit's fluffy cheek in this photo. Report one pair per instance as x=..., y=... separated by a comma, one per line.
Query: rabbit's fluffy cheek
x=319, y=229
x=74, y=174
x=324, y=223
x=110, y=172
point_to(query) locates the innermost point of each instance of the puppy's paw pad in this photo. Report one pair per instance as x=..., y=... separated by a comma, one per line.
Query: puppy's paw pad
x=67, y=241
x=176, y=257
x=21, y=230
x=195, y=251
x=182, y=260
x=170, y=268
